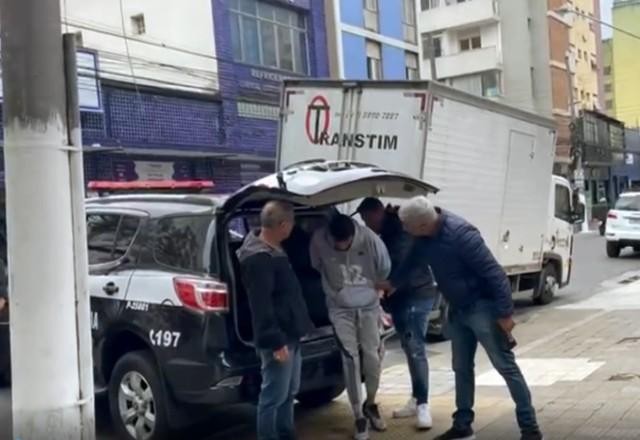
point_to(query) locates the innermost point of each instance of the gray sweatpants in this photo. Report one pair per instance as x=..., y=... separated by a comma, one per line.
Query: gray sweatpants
x=358, y=334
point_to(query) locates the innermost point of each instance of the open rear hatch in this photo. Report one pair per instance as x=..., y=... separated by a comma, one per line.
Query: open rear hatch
x=314, y=185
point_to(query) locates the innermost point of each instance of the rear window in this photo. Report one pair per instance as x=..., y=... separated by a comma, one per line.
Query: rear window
x=180, y=242
x=628, y=203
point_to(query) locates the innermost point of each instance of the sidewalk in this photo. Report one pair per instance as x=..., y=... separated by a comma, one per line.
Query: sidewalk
x=585, y=379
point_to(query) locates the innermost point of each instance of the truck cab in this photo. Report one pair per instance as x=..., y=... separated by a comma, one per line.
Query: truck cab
x=565, y=210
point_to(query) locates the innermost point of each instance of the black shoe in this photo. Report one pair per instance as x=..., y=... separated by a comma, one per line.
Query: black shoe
x=362, y=430
x=535, y=435
x=457, y=434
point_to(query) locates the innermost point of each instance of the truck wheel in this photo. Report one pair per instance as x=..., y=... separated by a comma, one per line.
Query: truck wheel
x=548, y=285
x=613, y=249
x=137, y=399
x=321, y=397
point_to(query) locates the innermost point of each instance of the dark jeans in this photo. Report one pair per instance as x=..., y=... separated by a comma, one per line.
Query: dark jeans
x=280, y=384
x=410, y=320
x=476, y=325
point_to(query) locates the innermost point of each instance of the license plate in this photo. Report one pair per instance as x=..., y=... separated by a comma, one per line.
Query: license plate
x=634, y=221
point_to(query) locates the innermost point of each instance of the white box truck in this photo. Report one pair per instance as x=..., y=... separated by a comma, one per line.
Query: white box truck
x=492, y=163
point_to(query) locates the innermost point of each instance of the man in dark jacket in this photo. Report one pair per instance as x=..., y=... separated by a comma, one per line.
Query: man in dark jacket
x=409, y=306
x=280, y=318
x=481, y=308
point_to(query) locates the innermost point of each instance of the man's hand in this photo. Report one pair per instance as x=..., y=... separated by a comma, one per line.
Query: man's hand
x=385, y=289
x=281, y=355
x=3, y=303
x=507, y=324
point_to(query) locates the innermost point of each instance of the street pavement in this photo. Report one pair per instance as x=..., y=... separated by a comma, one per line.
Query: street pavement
x=579, y=355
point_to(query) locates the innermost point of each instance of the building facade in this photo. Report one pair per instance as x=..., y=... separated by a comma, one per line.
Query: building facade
x=494, y=48
x=372, y=39
x=585, y=43
x=626, y=62
x=607, y=77
x=562, y=66
x=261, y=43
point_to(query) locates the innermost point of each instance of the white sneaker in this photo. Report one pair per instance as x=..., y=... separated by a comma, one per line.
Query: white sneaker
x=409, y=410
x=424, y=417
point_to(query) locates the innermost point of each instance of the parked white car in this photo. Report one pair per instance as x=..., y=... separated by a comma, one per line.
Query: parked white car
x=623, y=224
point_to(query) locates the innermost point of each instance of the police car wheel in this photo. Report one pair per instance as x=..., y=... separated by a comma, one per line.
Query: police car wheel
x=136, y=398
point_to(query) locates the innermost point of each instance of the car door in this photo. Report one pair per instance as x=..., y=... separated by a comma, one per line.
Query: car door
x=110, y=235
x=325, y=183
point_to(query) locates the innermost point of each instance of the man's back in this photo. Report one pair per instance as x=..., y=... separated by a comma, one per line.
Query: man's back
x=464, y=267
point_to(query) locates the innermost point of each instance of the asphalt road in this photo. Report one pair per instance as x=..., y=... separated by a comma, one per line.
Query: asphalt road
x=591, y=269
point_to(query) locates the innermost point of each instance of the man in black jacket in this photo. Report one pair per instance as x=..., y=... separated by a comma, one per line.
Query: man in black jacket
x=409, y=306
x=280, y=318
x=481, y=308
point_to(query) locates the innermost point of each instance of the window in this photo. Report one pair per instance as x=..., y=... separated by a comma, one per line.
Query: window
x=429, y=4
x=268, y=35
x=109, y=236
x=409, y=21
x=431, y=47
x=138, y=26
x=607, y=70
x=609, y=104
x=628, y=203
x=374, y=60
x=490, y=84
x=180, y=242
x=563, y=203
x=608, y=88
x=411, y=66
x=470, y=43
x=371, y=15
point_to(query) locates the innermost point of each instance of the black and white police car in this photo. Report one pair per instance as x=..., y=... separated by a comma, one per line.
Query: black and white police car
x=170, y=317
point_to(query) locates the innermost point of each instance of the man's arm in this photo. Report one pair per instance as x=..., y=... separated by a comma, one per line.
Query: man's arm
x=475, y=253
x=382, y=260
x=258, y=279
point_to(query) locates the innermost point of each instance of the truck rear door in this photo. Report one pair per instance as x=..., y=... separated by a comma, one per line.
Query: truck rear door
x=380, y=123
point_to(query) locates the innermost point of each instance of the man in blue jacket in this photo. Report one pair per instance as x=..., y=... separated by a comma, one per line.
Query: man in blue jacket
x=481, y=308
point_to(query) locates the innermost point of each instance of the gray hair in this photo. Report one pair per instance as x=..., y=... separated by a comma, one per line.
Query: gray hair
x=418, y=210
x=276, y=212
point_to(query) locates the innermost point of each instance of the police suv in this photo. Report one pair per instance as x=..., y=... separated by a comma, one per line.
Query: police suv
x=170, y=318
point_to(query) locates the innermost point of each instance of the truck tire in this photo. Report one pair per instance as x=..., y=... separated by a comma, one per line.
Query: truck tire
x=321, y=397
x=137, y=400
x=548, y=285
x=613, y=249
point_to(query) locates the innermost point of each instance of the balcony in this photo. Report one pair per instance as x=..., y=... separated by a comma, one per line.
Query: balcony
x=466, y=63
x=459, y=15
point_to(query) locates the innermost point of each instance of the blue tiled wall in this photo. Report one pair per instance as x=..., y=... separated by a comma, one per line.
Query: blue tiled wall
x=391, y=18
x=393, y=62
x=354, y=56
x=352, y=12
x=258, y=84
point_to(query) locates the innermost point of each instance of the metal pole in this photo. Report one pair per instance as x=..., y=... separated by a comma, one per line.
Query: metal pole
x=81, y=258
x=47, y=396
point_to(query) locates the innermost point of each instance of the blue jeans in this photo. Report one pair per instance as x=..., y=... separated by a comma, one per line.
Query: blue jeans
x=467, y=328
x=280, y=384
x=410, y=320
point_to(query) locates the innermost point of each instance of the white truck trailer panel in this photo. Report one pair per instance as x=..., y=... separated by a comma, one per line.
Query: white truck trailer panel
x=492, y=163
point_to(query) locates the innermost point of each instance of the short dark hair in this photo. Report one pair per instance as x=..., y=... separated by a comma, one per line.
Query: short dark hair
x=341, y=227
x=370, y=204
x=275, y=212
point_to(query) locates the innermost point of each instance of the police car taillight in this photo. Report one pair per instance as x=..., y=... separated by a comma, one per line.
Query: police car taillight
x=203, y=295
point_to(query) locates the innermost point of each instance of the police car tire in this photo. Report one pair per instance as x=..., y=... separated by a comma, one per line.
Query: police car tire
x=143, y=363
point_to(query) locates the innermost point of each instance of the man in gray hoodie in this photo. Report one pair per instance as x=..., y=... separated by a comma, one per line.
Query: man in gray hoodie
x=352, y=259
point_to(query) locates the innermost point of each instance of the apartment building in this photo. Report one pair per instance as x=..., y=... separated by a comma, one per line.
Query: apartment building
x=607, y=77
x=584, y=41
x=494, y=48
x=626, y=62
x=372, y=39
